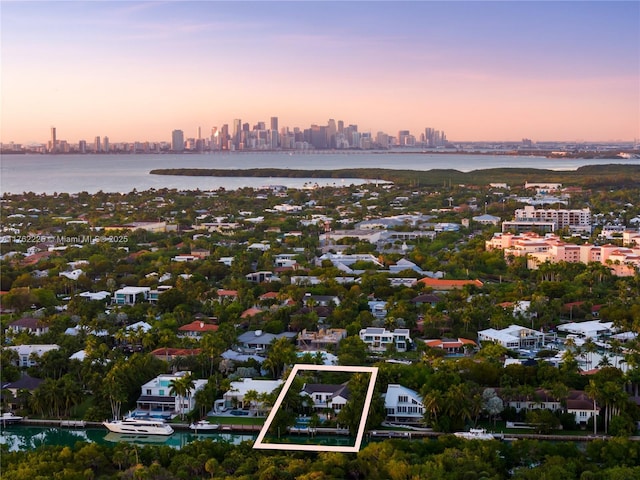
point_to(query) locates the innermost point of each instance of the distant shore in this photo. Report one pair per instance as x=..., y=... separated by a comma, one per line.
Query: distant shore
x=587, y=176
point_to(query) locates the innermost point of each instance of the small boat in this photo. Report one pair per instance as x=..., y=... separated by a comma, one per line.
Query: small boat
x=204, y=425
x=138, y=427
x=10, y=417
x=475, y=434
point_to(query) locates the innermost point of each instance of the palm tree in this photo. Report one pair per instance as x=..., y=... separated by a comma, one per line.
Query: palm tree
x=178, y=389
x=590, y=348
x=182, y=388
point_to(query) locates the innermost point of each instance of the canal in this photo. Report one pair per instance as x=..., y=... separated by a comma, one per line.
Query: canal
x=22, y=438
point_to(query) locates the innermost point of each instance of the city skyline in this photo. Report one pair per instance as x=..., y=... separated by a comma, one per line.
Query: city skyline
x=481, y=71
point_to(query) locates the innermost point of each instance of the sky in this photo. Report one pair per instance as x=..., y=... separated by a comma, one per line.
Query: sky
x=477, y=70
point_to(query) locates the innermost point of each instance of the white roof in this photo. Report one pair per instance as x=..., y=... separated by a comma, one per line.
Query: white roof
x=241, y=387
x=586, y=328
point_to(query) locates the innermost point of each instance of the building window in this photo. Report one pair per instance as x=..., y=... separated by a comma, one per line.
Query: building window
x=403, y=398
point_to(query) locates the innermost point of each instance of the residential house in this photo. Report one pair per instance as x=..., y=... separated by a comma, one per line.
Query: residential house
x=131, y=295
x=426, y=299
x=581, y=406
x=200, y=253
x=229, y=295
x=327, y=396
x=33, y=326
x=321, y=300
x=24, y=383
x=578, y=403
x=324, y=339
x=540, y=400
x=589, y=329
x=259, y=277
x=378, y=308
x=442, y=285
x=158, y=400
x=234, y=397
x=260, y=341
x=403, y=405
x=28, y=355
x=453, y=346
x=196, y=329
x=168, y=354
x=380, y=339
x=515, y=337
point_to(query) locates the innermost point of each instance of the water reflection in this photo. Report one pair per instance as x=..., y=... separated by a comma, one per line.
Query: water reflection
x=21, y=438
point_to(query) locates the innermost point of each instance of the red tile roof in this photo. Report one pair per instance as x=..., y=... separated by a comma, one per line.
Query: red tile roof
x=441, y=284
x=198, y=326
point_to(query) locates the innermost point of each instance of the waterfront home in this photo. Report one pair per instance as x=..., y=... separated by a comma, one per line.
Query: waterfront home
x=581, y=406
x=403, y=405
x=577, y=403
x=326, y=396
x=157, y=397
x=234, y=398
x=24, y=383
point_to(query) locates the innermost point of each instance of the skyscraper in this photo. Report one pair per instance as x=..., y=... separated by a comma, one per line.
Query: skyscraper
x=275, y=136
x=237, y=132
x=53, y=148
x=177, y=141
x=96, y=145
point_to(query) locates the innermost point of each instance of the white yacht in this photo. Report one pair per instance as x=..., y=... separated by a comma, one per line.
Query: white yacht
x=475, y=434
x=10, y=417
x=204, y=425
x=136, y=427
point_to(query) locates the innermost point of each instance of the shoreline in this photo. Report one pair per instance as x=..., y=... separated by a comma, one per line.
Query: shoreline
x=378, y=434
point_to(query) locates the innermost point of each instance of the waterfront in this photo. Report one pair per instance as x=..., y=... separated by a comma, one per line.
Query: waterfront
x=22, y=438
x=123, y=173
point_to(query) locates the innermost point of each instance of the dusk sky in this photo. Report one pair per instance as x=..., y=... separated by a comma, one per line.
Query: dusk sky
x=477, y=70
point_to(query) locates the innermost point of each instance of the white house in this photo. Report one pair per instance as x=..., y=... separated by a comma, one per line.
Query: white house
x=591, y=329
x=28, y=354
x=131, y=295
x=515, y=337
x=581, y=406
x=158, y=400
x=234, y=397
x=30, y=325
x=379, y=339
x=327, y=396
x=403, y=404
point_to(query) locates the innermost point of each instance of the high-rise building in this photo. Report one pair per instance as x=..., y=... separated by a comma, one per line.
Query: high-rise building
x=237, y=132
x=105, y=145
x=274, y=124
x=331, y=133
x=53, y=148
x=224, y=137
x=82, y=146
x=96, y=145
x=177, y=141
